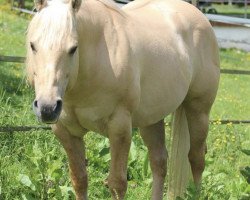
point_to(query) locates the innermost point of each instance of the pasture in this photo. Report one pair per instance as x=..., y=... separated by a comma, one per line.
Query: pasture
x=34, y=166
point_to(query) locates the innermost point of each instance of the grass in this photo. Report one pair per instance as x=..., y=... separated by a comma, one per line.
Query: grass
x=231, y=10
x=33, y=165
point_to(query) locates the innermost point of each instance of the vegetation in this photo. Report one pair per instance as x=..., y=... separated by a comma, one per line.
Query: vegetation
x=33, y=165
x=232, y=10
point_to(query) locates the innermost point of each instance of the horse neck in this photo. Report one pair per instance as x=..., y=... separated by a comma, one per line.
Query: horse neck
x=91, y=23
x=97, y=15
x=91, y=17
x=95, y=27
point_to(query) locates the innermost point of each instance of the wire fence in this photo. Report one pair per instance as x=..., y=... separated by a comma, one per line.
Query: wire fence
x=13, y=129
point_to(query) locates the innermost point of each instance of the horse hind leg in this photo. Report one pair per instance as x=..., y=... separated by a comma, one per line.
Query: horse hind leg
x=197, y=112
x=154, y=138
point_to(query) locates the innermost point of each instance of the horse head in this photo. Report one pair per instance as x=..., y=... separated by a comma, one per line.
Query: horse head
x=52, y=55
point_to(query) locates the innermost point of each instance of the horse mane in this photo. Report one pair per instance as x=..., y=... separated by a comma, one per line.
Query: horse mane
x=47, y=25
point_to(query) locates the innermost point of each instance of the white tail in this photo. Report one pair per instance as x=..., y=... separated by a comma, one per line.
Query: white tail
x=179, y=172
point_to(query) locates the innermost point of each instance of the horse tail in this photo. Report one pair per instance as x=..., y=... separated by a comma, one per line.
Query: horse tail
x=179, y=172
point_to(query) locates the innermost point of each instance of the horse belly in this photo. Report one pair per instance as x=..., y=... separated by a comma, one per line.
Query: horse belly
x=162, y=91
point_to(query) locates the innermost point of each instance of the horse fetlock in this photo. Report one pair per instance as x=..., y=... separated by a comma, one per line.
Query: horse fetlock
x=81, y=194
x=117, y=194
x=81, y=197
x=117, y=188
x=80, y=185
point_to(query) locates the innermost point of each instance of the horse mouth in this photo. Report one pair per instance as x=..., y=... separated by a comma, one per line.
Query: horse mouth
x=48, y=120
x=47, y=113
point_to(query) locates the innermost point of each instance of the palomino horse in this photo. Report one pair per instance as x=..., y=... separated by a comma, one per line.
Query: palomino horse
x=97, y=67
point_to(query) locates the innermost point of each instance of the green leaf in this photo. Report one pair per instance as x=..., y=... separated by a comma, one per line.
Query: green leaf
x=247, y=190
x=132, y=153
x=51, y=191
x=55, y=169
x=245, y=197
x=246, y=151
x=246, y=173
x=27, y=197
x=145, y=166
x=65, y=190
x=104, y=151
x=25, y=180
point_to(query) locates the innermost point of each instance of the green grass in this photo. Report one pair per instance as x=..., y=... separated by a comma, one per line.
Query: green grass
x=233, y=94
x=231, y=10
x=33, y=165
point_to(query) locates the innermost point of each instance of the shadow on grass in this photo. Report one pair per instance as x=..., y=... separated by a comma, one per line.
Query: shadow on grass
x=11, y=78
x=13, y=84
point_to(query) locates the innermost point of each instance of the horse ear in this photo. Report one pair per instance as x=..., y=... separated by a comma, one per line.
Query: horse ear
x=76, y=4
x=40, y=4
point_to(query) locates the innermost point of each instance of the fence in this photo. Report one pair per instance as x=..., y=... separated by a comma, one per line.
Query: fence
x=11, y=129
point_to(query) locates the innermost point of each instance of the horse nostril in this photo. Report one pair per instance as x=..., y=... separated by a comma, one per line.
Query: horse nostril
x=35, y=104
x=58, y=106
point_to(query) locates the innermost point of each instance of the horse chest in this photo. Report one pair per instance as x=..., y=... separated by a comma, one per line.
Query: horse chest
x=93, y=118
x=91, y=112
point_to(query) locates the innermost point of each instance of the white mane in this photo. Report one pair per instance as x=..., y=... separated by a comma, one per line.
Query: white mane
x=52, y=24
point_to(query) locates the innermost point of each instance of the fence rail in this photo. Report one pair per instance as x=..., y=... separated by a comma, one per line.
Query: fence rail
x=23, y=10
x=12, y=129
x=14, y=59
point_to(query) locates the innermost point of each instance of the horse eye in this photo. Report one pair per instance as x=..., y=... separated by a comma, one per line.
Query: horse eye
x=72, y=50
x=32, y=46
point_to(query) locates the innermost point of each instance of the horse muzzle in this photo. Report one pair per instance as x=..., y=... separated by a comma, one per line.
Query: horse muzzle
x=47, y=112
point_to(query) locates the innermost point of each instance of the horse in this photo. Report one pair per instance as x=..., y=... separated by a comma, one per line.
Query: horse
x=95, y=66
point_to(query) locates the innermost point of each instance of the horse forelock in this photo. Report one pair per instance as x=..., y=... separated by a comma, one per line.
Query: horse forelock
x=52, y=25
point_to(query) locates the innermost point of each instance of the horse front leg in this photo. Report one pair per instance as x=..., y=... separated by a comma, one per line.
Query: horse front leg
x=119, y=133
x=75, y=150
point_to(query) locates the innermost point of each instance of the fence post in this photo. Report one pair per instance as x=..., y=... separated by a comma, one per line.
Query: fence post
x=245, y=14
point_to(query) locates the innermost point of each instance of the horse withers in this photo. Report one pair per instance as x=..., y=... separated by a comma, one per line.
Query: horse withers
x=97, y=67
